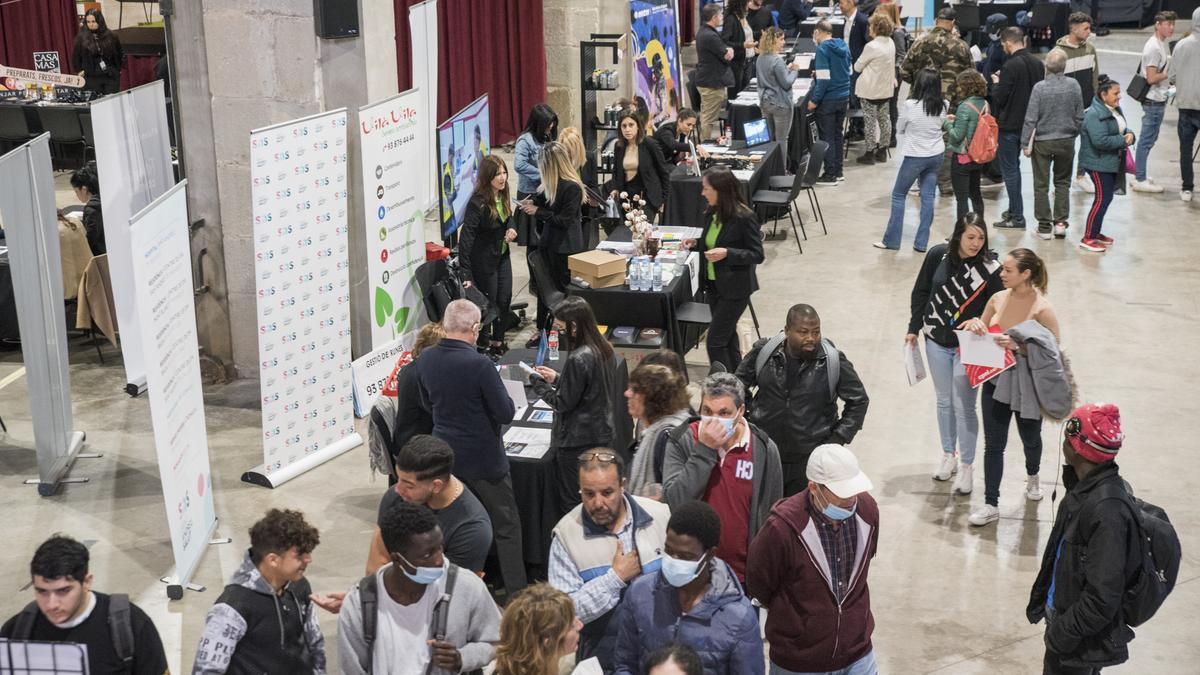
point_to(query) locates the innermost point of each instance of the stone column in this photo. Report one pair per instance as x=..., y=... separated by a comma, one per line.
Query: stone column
x=567, y=23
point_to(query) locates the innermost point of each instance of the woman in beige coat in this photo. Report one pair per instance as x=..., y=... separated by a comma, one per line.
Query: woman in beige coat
x=876, y=84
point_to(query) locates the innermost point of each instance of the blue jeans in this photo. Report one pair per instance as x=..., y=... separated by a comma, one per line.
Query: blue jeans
x=955, y=401
x=1189, y=126
x=912, y=169
x=864, y=666
x=831, y=115
x=1152, y=118
x=1009, y=153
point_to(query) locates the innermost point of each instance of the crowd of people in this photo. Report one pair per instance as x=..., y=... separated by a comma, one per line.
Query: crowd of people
x=749, y=499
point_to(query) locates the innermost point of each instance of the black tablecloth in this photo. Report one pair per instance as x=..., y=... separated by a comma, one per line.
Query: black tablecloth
x=685, y=207
x=622, y=306
x=9, y=328
x=798, y=137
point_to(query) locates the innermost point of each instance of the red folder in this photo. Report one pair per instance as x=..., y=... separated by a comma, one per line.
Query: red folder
x=977, y=375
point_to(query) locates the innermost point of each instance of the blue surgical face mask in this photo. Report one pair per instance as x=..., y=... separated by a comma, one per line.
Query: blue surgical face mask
x=423, y=575
x=835, y=512
x=680, y=573
x=726, y=422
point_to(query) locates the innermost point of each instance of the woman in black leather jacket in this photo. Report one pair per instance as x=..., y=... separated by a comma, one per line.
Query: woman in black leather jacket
x=640, y=166
x=483, y=245
x=580, y=395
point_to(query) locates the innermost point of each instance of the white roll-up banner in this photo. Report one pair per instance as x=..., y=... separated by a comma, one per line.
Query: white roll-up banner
x=133, y=157
x=423, y=24
x=28, y=217
x=162, y=282
x=299, y=190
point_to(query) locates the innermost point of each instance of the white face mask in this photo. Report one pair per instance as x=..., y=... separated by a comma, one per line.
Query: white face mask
x=726, y=422
x=680, y=573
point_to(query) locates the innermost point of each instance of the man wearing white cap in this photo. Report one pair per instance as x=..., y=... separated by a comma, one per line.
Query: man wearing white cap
x=808, y=566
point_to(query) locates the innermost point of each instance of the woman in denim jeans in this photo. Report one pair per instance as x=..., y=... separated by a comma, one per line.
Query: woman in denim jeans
x=921, y=119
x=954, y=286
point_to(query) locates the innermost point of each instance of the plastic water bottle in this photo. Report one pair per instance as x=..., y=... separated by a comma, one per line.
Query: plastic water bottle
x=632, y=274
x=552, y=346
x=657, y=277
x=644, y=274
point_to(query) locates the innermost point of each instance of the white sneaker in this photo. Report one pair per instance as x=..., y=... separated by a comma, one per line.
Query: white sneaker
x=1082, y=183
x=1145, y=186
x=1060, y=230
x=962, y=484
x=984, y=515
x=1185, y=195
x=947, y=468
x=1033, y=489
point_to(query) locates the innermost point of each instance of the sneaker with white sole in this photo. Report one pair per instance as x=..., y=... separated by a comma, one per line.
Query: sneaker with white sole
x=984, y=515
x=1145, y=186
x=1033, y=489
x=827, y=181
x=1093, y=245
x=1083, y=183
x=966, y=475
x=947, y=468
x=1185, y=195
x=1060, y=230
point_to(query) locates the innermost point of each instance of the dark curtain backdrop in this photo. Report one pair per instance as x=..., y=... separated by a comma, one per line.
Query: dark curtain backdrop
x=29, y=26
x=493, y=47
x=688, y=10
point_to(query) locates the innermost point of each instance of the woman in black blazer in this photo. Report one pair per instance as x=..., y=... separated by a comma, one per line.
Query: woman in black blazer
x=559, y=212
x=640, y=166
x=483, y=243
x=732, y=246
x=733, y=32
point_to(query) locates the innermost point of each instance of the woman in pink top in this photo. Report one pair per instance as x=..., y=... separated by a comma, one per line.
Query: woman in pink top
x=1025, y=280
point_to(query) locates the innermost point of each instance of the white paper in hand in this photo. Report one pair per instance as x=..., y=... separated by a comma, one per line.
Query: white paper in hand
x=914, y=364
x=588, y=667
x=980, y=350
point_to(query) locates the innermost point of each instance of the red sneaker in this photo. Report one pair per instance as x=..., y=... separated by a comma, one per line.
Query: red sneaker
x=1093, y=245
x=1108, y=241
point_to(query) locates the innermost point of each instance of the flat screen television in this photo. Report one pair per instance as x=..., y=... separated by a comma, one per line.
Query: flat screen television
x=463, y=140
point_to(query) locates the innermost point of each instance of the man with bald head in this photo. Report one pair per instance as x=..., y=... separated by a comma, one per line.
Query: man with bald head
x=462, y=391
x=799, y=376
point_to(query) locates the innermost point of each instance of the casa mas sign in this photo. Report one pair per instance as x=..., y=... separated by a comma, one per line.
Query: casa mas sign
x=402, y=118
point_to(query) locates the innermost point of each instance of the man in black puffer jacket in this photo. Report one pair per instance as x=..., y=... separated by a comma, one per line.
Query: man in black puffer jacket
x=1092, y=553
x=796, y=401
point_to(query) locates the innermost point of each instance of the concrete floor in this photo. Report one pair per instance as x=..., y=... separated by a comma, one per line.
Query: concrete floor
x=947, y=598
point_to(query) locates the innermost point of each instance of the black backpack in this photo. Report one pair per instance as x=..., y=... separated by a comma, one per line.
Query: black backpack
x=1160, y=555
x=368, y=597
x=120, y=627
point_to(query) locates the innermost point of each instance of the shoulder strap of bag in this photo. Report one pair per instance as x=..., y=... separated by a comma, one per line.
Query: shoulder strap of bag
x=441, y=612
x=764, y=354
x=833, y=367
x=368, y=598
x=23, y=629
x=120, y=628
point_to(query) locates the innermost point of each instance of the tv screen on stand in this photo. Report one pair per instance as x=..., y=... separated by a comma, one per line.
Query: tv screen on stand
x=463, y=140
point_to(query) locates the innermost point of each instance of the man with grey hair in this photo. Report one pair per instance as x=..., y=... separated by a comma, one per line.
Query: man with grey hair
x=462, y=391
x=727, y=462
x=1052, y=123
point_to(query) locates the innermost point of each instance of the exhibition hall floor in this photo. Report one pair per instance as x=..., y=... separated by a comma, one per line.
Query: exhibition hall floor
x=947, y=597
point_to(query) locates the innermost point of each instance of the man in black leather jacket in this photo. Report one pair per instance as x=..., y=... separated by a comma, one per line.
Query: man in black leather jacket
x=793, y=402
x=1092, y=552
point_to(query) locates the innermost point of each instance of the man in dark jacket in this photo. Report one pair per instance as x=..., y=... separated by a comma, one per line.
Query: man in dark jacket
x=829, y=96
x=712, y=68
x=791, y=13
x=462, y=390
x=797, y=398
x=809, y=569
x=1092, y=552
x=1010, y=97
x=857, y=32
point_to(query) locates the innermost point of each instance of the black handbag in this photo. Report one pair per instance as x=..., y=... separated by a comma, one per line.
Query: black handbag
x=1138, y=88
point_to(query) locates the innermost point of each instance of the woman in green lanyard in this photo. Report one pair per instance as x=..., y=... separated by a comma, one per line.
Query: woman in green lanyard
x=731, y=245
x=483, y=243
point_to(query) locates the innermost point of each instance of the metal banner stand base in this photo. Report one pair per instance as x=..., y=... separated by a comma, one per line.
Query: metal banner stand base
x=135, y=389
x=259, y=476
x=174, y=588
x=49, y=488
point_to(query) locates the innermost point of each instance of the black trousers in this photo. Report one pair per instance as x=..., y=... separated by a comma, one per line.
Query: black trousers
x=497, y=287
x=996, y=418
x=965, y=179
x=566, y=475
x=1052, y=665
x=500, y=503
x=795, y=474
x=722, y=340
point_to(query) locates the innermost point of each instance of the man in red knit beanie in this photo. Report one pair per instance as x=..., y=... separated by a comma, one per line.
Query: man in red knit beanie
x=1092, y=552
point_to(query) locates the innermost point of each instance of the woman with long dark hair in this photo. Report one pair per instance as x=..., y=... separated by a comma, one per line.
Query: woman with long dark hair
x=641, y=169
x=86, y=184
x=735, y=31
x=960, y=131
x=954, y=285
x=921, y=119
x=732, y=246
x=98, y=55
x=483, y=243
x=540, y=129
x=580, y=396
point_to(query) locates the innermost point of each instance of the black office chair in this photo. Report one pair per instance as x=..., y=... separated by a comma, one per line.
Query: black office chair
x=693, y=91
x=815, y=158
x=89, y=138
x=65, y=129
x=14, y=128
x=774, y=202
x=547, y=289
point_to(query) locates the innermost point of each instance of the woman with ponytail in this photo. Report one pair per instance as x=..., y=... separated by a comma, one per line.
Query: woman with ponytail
x=1026, y=281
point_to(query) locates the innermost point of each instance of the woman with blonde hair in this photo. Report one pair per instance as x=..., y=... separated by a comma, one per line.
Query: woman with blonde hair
x=538, y=628
x=572, y=140
x=775, y=82
x=558, y=209
x=876, y=84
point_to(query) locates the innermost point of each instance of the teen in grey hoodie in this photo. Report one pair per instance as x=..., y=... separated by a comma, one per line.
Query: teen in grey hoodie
x=1052, y=123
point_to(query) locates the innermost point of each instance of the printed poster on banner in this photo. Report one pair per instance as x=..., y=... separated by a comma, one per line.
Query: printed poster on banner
x=162, y=279
x=371, y=372
x=395, y=135
x=299, y=190
x=656, y=57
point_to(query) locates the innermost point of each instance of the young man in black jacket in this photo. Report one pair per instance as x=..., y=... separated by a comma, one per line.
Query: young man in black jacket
x=1092, y=553
x=797, y=398
x=1010, y=98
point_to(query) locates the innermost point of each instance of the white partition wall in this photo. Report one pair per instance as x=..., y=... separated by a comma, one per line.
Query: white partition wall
x=299, y=191
x=422, y=22
x=31, y=227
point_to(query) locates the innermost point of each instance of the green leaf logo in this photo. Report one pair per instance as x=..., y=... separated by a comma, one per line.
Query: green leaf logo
x=383, y=306
x=401, y=320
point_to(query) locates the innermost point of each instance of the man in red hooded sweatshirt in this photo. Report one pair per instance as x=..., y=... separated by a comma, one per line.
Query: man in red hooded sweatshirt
x=808, y=566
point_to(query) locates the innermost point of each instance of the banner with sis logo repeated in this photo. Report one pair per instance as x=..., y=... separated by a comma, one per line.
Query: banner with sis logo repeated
x=299, y=191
